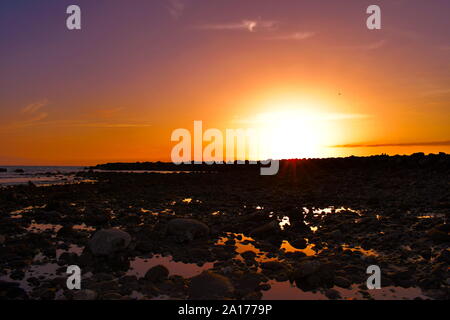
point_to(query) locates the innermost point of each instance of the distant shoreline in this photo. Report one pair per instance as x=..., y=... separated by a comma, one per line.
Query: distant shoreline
x=353, y=160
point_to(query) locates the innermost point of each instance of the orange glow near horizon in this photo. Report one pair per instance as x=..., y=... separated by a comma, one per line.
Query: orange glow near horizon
x=98, y=96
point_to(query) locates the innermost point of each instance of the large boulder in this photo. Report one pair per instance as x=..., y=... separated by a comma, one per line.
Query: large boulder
x=438, y=236
x=107, y=242
x=211, y=286
x=187, y=229
x=307, y=268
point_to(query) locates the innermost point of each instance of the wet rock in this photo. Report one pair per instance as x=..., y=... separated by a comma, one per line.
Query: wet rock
x=129, y=284
x=276, y=270
x=33, y=281
x=222, y=254
x=444, y=227
x=308, y=283
x=266, y=229
x=187, y=229
x=157, y=273
x=332, y=294
x=3, y=170
x=313, y=274
x=230, y=242
x=17, y=274
x=444, y=256
x=145, y=246
x=336, y=234
x=398, y=274
x=44, y=293
x=264, y=287
x=65, y=231
x=342, y=282
x=210, y=285
x=295, y=255
x=68, y=258
x=306, y=268
x=299, y=243
x=85, y=294
x=273, y=266
x=2, y=239
x=437, y=294
x=255, y=295
x=247, y=283
x=248, y=255
x=97, y=219
x=199, y=254
x=19, y=171
x=104, y=286
x=109, y=241
x=12, y=291
x=111, y=296
x=438, y=236
x=101, y=276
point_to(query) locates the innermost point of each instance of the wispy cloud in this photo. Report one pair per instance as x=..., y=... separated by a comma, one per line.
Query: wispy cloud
x=293, y=36
x=34, y=107
x=176, y=8
x=33, y=116
x=244, y=25
x=33, y=113
x=395, y=144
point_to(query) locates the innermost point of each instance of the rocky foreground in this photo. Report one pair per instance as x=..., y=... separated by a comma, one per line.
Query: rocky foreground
x=318, y=224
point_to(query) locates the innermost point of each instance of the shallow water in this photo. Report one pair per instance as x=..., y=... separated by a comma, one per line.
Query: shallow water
x=140, y=265
x=279, y=290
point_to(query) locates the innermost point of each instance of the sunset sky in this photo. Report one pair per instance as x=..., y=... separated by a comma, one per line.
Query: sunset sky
x=115, y=90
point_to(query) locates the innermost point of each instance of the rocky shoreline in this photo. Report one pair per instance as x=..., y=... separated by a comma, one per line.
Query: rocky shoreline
x=315, y=228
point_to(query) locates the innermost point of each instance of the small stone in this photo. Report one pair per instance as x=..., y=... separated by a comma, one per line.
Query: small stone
x=265, y=287
x=438, y=235
x=273, y=265
x=342, y=282
x=332, y=294
x=85, y=294
x=157, y=273
x=299, y=243
x=336, y=234
x=248, y=255
x=111, y=296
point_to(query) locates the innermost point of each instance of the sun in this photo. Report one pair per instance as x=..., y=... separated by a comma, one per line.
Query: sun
x=289, y=134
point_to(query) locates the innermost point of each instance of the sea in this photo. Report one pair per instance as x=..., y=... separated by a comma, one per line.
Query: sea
x=51, y=175
x=39, y=175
